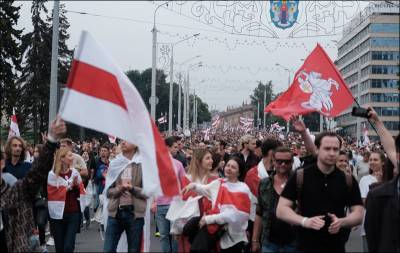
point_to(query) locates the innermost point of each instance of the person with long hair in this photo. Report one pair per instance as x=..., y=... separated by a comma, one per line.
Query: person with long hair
x=16, y=200
x=199, y=172
x=15, y=152
x=227, y=219
x=376, y=163
x=64, y=187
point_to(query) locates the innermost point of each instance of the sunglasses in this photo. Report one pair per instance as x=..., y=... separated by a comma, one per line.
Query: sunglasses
x=280, y=161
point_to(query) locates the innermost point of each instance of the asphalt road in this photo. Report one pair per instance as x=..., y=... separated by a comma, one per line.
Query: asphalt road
x=90, y=240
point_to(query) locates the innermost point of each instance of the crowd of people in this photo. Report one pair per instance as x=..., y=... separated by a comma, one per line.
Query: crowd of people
x=240, y=192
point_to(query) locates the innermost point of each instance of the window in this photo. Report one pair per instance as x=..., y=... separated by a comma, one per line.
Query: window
x=384, y=69
x=365, y=58
x=392, y=125
x=351, y=79
x=354, y=90
x=384, y=97
x=385, y=42
x=387, y=111
x=385, y=55
x=364, y=99
x=365, y=85
x=365, y=71
x=385, y=83
x=350, y=67
x=384, y=28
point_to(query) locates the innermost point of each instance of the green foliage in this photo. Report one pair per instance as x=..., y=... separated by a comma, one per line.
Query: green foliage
x=258, y=97
x=142, y=82
x=10, y=56
x=35, y=77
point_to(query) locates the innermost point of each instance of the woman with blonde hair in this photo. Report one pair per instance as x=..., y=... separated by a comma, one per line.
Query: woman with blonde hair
x=178, y=213
x=65, y=188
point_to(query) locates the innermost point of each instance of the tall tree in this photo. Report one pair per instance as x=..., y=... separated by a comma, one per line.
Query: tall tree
x=35, y=75
x=65, y=54
x=258, y=98
x=9, y=55
x=142, y=82
x=35, y=78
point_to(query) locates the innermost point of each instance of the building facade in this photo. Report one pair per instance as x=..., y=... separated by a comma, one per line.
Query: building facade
x=368, y=58
x=231, y=117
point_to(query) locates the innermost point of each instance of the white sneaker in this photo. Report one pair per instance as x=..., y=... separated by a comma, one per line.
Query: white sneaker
x=43, y=249
x=50, y=241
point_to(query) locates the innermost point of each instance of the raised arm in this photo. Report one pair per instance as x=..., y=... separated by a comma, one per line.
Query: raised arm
x=300, y=127
x=385, y=136
x=30, y=184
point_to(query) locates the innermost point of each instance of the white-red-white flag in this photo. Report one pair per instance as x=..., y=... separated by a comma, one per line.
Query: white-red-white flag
x=98, y=87
x=162, y=120
x=14, y=130
x=112, y=139
x=365, y=135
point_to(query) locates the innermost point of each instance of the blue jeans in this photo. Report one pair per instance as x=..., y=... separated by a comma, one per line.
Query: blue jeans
x=96, y=197
x=168, y=244
x=123, y=221
x=272, y=247
x=64, y=231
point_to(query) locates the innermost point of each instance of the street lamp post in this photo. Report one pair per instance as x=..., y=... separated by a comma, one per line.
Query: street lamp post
x=286, y=69
x=194, y=125
x=180, y=90
x=53, y=103
x=186, y=96
x=171, y=82
x=154, y=65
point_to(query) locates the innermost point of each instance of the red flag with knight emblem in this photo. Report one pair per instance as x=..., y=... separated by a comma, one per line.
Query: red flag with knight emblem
x=317, y=87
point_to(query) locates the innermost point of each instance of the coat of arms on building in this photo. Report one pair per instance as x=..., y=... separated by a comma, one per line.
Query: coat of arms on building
x=284, y=13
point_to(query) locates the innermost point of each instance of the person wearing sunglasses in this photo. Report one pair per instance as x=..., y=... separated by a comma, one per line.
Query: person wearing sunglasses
x=277, y=235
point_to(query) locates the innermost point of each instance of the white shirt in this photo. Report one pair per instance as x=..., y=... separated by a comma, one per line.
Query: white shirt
x=296, y=163
x=362, y=169
x=364, y=184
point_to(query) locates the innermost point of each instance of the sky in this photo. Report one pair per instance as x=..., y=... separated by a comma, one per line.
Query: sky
x=232, y=63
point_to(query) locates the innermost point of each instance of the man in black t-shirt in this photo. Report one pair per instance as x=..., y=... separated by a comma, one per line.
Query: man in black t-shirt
x=322, y=198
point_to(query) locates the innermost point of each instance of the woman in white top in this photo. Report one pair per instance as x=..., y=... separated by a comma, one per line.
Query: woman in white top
x=65, y=189
x=230, y=206
x=376, y=162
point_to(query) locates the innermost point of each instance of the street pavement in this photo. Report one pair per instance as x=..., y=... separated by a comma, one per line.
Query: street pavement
x=90, y=240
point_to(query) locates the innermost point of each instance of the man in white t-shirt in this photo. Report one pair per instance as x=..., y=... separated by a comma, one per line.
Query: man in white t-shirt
x=362, y=166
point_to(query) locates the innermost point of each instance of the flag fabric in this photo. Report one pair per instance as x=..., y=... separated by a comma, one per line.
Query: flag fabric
x=317, y=86
x=231, y=202
x=365, y=134
x=162, y=120
x=112, y=139
x=252, y=179
x=57, y=188
x=97, y=85
x=14, y=130
x=216, y=122
x=207, y=134
x=116, y=167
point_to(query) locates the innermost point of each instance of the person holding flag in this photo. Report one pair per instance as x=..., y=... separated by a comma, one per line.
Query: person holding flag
x=14, y=130
x=125, y=205
x=99, y=82
x=229, y=214
x=65, y=190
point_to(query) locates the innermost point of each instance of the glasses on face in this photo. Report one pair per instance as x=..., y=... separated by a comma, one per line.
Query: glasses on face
x=281, y=161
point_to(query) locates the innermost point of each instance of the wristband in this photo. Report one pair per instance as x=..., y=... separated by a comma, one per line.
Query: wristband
x=303, y=221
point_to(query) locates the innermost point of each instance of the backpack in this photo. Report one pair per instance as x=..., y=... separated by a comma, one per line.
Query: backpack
x=300, y=180
x=299, y=186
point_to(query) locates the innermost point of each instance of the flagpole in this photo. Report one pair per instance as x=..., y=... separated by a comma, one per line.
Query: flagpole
x=54, y=64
